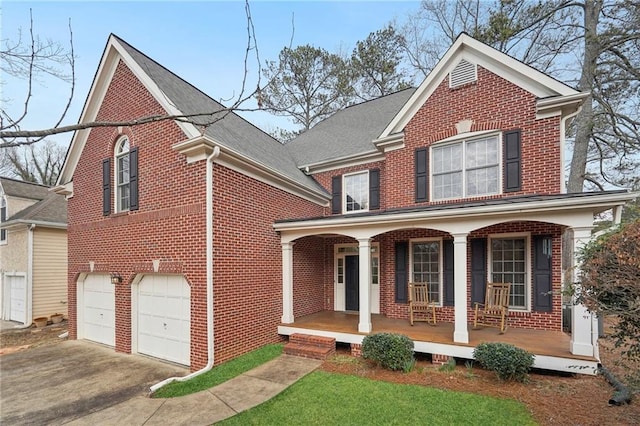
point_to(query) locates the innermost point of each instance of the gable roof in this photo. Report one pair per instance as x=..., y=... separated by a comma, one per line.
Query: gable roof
x=22, y=189
x=348, y=132
x=555, y=95
x=231, y=133
x=52, y=210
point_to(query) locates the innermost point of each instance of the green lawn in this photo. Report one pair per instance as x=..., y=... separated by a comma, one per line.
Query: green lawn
x=322, y=398
x=221, y=373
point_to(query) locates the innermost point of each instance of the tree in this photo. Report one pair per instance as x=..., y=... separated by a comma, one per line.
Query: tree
x=307, y=83
x=39, y=163
x=376, y=64
x=603, y=36
x=29, y=58
x=610, y=283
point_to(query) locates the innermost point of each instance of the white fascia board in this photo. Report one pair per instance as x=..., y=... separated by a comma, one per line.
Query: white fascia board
x=346, y=161
x=466, y=47
x=390, y=143
x=108, y=64
x=595, y=204
x=65, y=189
x=560, y=105
x=200, y=147
x=13, y=224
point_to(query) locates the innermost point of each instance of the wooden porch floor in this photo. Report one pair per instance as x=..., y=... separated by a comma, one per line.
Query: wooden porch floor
x=539, y=342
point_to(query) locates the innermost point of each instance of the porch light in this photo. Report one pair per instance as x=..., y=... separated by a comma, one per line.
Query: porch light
x=115, y=278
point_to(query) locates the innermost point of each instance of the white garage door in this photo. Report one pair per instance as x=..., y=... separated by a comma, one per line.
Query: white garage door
x=18, y=298
x=98, y=310
x=164, y=317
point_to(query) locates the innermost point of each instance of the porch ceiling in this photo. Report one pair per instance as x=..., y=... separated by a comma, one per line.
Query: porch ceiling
x=572, y=210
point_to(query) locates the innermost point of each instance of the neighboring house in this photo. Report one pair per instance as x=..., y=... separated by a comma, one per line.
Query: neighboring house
x=196, y=244
x=33, y=251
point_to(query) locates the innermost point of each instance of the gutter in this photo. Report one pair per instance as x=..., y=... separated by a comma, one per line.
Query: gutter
x=28, y=298
x=209, y=260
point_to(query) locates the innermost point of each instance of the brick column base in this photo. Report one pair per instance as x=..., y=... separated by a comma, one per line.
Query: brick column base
x=356, y=350
x=439, y=359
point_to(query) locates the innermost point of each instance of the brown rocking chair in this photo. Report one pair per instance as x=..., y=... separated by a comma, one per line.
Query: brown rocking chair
x=419, y=304
x=494, y=312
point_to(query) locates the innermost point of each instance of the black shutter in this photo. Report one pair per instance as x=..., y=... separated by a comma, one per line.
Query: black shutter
x=512, y=161
x=402, y=271
x=449, y=263
x=336, y=194
x=422, y=175
x=374, y=189
x=542, y=297
x=133, y=179
x=106, y=186
x=478, y=269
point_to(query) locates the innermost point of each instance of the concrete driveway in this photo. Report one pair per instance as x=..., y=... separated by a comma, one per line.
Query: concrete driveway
x=57, y=384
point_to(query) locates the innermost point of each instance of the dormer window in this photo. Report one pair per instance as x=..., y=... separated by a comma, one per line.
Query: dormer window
x=123, y=169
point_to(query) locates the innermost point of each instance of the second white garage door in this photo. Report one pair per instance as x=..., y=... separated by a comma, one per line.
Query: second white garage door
x=164, y=317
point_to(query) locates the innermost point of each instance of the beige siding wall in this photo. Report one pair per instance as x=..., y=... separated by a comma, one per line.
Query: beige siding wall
x=49, y=272
x=14, y=205
x=13, y=255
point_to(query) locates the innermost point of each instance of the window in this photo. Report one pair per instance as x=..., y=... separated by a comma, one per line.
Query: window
x=3, y=217
x=426, y=266
x=123, y=188
x=509, y=265
x=356, y=192
x=467, y=168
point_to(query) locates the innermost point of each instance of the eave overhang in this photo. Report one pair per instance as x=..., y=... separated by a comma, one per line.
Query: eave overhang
x=560, y=105
x=341, y=162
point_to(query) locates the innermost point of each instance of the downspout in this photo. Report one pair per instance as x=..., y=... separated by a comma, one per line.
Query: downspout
x=209, y=261
x=563, y=128
x=29, y=298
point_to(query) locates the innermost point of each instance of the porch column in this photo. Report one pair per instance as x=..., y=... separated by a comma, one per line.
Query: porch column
x=364, y=258
x=460, y=332
x=287, y=283
x=582, y=321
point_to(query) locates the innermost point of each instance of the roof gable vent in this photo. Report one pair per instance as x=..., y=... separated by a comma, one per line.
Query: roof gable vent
x=465, y=72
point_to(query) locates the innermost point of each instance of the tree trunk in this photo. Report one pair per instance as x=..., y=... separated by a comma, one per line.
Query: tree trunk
x=584, y=120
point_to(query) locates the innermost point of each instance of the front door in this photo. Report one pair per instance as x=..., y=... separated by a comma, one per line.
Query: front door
x=352, y=283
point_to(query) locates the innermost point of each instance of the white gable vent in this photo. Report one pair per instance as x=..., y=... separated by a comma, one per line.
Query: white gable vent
x=465, y=72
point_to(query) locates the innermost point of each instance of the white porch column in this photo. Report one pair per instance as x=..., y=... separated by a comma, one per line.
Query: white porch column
x=287, y=283
x=582, y=321
x=364, y=258
x=460, y=332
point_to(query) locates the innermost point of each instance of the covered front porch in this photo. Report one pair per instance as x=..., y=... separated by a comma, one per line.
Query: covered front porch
x=551, y=348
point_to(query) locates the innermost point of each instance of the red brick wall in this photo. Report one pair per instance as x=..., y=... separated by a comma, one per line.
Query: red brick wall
x=170, y=226
x=248, y=262
x=310, y=293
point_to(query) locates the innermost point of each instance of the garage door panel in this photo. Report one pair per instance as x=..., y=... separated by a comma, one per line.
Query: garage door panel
x=99, y=309
x=164, y=318
x=17, y=298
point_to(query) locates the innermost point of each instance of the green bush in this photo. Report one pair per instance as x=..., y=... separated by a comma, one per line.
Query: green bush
x=508, y=362
x=392, y=351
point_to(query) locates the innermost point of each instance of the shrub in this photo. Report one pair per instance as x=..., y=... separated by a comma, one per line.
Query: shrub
x=392, y=351
x=508, y=362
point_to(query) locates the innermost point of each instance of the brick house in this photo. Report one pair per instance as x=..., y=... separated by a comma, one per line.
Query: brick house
x=196, y=244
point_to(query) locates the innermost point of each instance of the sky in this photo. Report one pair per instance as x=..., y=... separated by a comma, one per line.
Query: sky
x=203, y=42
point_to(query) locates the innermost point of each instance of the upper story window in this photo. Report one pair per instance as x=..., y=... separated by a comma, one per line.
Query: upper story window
x=467, y=168
x=355, y=192
x=123, y=174
x=3, y=217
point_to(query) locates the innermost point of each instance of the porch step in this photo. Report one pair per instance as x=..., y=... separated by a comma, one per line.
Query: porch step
x=307, y=346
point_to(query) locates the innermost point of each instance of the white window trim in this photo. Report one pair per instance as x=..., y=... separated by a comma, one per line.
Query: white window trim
x=344, y=192
x=116, y=192
x=440, y=260
x=462, y=139
x=527, y=266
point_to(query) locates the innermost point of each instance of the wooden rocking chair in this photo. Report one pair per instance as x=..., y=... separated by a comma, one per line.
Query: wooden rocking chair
x=494, y=312
x=419, y=304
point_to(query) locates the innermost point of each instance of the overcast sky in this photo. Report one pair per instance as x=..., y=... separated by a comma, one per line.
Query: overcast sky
x=203, y=42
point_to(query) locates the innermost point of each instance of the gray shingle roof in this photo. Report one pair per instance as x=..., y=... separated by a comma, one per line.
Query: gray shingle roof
x=52, y=209
x=232, y=131
x=349, y=131
x=21, y=189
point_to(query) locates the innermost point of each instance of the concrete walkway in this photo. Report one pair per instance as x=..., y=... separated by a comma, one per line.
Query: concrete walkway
x=209, y=406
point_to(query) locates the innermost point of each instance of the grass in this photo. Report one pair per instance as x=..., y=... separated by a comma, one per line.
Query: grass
x=322, y=398
x=221, y=373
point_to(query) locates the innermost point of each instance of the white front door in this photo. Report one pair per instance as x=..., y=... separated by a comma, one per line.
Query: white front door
x=98, y=310
x=164, y=318
x=17, y=298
